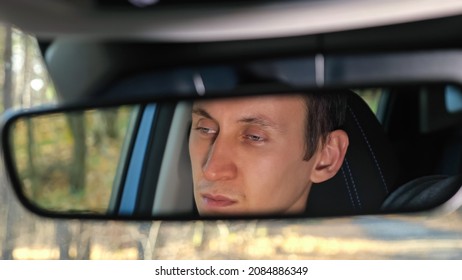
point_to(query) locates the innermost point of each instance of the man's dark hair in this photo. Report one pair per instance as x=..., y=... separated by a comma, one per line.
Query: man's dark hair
x=326, y=112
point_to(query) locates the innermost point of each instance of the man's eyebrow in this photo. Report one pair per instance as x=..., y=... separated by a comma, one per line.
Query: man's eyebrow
x=259, y=120
x=253, y=119
x=202, y=112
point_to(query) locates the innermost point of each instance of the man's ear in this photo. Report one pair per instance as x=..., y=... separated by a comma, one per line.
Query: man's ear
x=329, y=158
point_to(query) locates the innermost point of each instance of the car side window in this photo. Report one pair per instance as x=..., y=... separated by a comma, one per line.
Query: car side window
x=25, y=83
x=376, y=98
x=24, y=79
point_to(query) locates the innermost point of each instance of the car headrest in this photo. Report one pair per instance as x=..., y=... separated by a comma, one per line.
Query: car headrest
x=424, y=193
x=368, y=174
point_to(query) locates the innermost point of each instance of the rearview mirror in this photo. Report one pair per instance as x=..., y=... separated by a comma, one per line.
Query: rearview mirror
x=262, y=156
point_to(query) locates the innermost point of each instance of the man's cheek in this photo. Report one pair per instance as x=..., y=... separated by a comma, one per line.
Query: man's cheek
x=197, y=154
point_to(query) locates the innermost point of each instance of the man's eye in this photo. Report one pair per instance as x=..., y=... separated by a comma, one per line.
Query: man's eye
x=254, y=138
x=206, y=130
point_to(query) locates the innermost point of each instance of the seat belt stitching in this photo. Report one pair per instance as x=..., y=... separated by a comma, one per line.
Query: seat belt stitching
x=370, y=149
x=348, y=188
x=353, y=183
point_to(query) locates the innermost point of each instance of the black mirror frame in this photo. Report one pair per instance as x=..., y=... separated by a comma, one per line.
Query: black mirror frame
x=331, y=72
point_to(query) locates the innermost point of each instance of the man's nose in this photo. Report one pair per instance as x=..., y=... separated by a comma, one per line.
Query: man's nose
x=219, y=164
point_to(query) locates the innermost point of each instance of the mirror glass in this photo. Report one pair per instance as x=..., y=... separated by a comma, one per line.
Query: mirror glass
x=323, y=153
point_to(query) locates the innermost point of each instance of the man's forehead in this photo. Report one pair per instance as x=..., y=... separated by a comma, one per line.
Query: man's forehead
x=267, y=111
x=273, y=99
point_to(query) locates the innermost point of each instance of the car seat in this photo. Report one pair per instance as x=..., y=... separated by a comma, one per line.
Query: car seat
x=369, y=172
x=425, y=193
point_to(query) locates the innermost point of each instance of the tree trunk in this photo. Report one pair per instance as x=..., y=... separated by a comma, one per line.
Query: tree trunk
x=9, y=237
x=77, y=168
x=63, y=240
x=31, y=155
x=8, y=82
x=83, y=243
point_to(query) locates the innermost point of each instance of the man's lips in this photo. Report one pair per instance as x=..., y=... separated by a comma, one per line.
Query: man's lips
x=217, y=200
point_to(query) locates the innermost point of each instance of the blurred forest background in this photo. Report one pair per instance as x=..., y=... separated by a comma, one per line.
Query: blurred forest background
x=24, y=83
x=65, y=167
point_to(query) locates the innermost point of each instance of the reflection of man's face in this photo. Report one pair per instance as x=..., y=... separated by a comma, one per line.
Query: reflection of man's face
x=247, y=155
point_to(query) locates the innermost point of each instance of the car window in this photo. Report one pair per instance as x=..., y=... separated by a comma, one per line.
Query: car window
x=24, y=83
x=24, y=78
x=453, y=99
x=374, y=98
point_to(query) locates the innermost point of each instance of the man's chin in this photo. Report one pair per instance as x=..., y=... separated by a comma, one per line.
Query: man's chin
x=222, y=211
x=228, y=211
x=236, y=211
x=233, y=211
